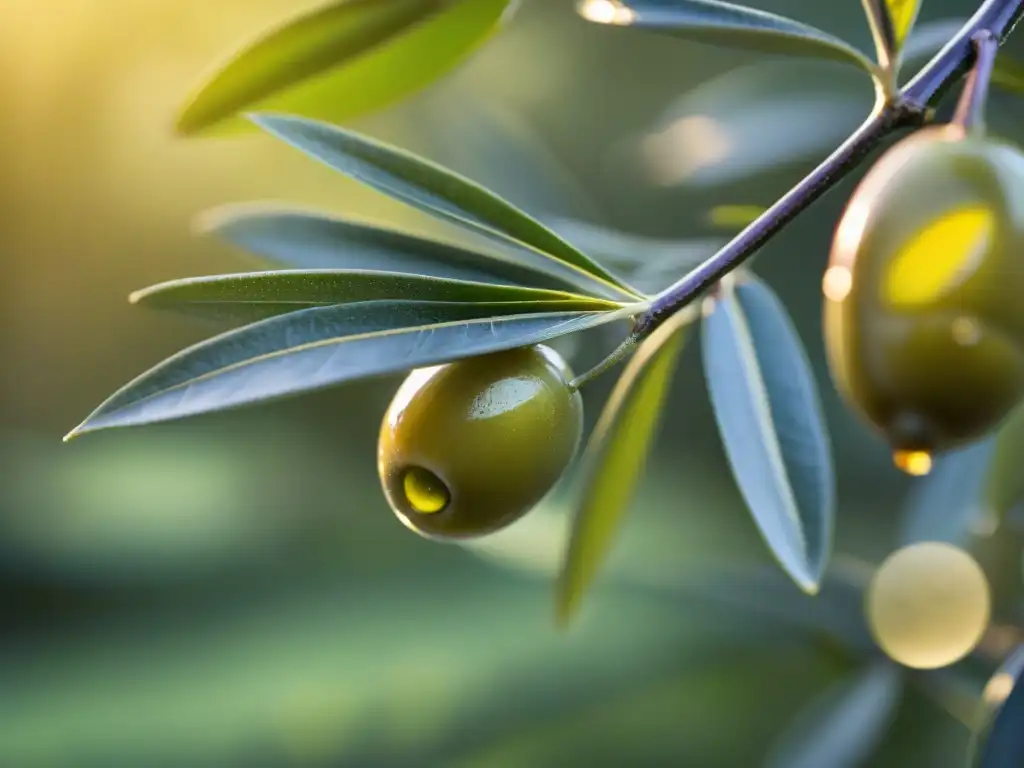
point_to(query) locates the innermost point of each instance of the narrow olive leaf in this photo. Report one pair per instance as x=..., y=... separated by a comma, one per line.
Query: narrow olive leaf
x=740, y=123
x=948, y=504
x=504, y=149
x=615, y=458
x=770, y=417
x=891, y=22
x=265, y=294
x=845, y=726
x=630, y=251
x=323, y=346
x=902, y=16
x=999, y=742
x=648, y=263
x=882, y=32
x=309, y=240
x=343, y=59
x=725, y=25
x=430, y=188
x=1004, y=482
x=836, y=612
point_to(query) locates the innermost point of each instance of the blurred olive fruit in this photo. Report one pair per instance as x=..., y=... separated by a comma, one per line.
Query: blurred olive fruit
x=469, y=447
x=928, y=605
x=924, y=320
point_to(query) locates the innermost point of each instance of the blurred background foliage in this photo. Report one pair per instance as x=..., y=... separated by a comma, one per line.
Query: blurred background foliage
x=233, y=590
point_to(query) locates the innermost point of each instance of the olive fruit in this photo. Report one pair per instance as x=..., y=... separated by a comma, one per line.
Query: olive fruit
x=928, y=605
x=468, y=447
x=924, y=310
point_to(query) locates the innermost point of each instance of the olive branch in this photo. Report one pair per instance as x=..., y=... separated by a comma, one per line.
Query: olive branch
x=358, y=300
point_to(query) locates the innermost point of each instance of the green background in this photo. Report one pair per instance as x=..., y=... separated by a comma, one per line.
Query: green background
x=233, y=590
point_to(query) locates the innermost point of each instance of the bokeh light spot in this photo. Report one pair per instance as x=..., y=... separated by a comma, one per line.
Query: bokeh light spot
x=914, y=463
x=928, y=605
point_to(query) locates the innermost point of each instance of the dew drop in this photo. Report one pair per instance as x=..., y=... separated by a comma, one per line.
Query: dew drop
x=425, y=491
x=916, y=463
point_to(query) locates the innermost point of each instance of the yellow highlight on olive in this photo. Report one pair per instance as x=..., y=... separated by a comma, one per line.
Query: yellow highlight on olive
x=928, y=605
x=938, y=258
x=426, y=492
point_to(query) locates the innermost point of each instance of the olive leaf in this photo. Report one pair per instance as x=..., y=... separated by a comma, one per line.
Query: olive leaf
x=845, y=725
x=310, y=240
x=505, y=150
x=770, y=417
x=615, y=458
x=999, y=742
x=726, y=25
x=343, y=59
x=323, y=346
x=741, y=123
x=891, y=22
x=648, y=263
x=1004, y=482
x=836, y=612
x=632, y=251
x=903, y=14
x=265, y=294
x=944, y=505
x=434, y=190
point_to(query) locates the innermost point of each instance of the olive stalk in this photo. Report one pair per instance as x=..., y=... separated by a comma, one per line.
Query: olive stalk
x=911, y=106
x=970, y=110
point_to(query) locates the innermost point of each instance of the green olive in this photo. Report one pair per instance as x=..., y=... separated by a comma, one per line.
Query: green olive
x=924, y=310
x=468, y=447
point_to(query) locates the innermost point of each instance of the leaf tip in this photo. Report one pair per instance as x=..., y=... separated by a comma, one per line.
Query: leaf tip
x=806, y=578
x=566, y=599
x=210, y=220
x=78, y=431
x=185, y=124
x=271, y=122
x=565, y=612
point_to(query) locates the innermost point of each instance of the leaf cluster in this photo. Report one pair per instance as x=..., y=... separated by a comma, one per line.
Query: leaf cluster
x=347, y=301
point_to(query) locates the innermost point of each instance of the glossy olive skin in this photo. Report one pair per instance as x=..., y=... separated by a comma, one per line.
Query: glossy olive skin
x=493, y=434
x=939, y=367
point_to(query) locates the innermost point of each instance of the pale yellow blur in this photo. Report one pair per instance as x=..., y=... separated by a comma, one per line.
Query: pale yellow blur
x=606, y=12
x=928, y=605
x=837, y=283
